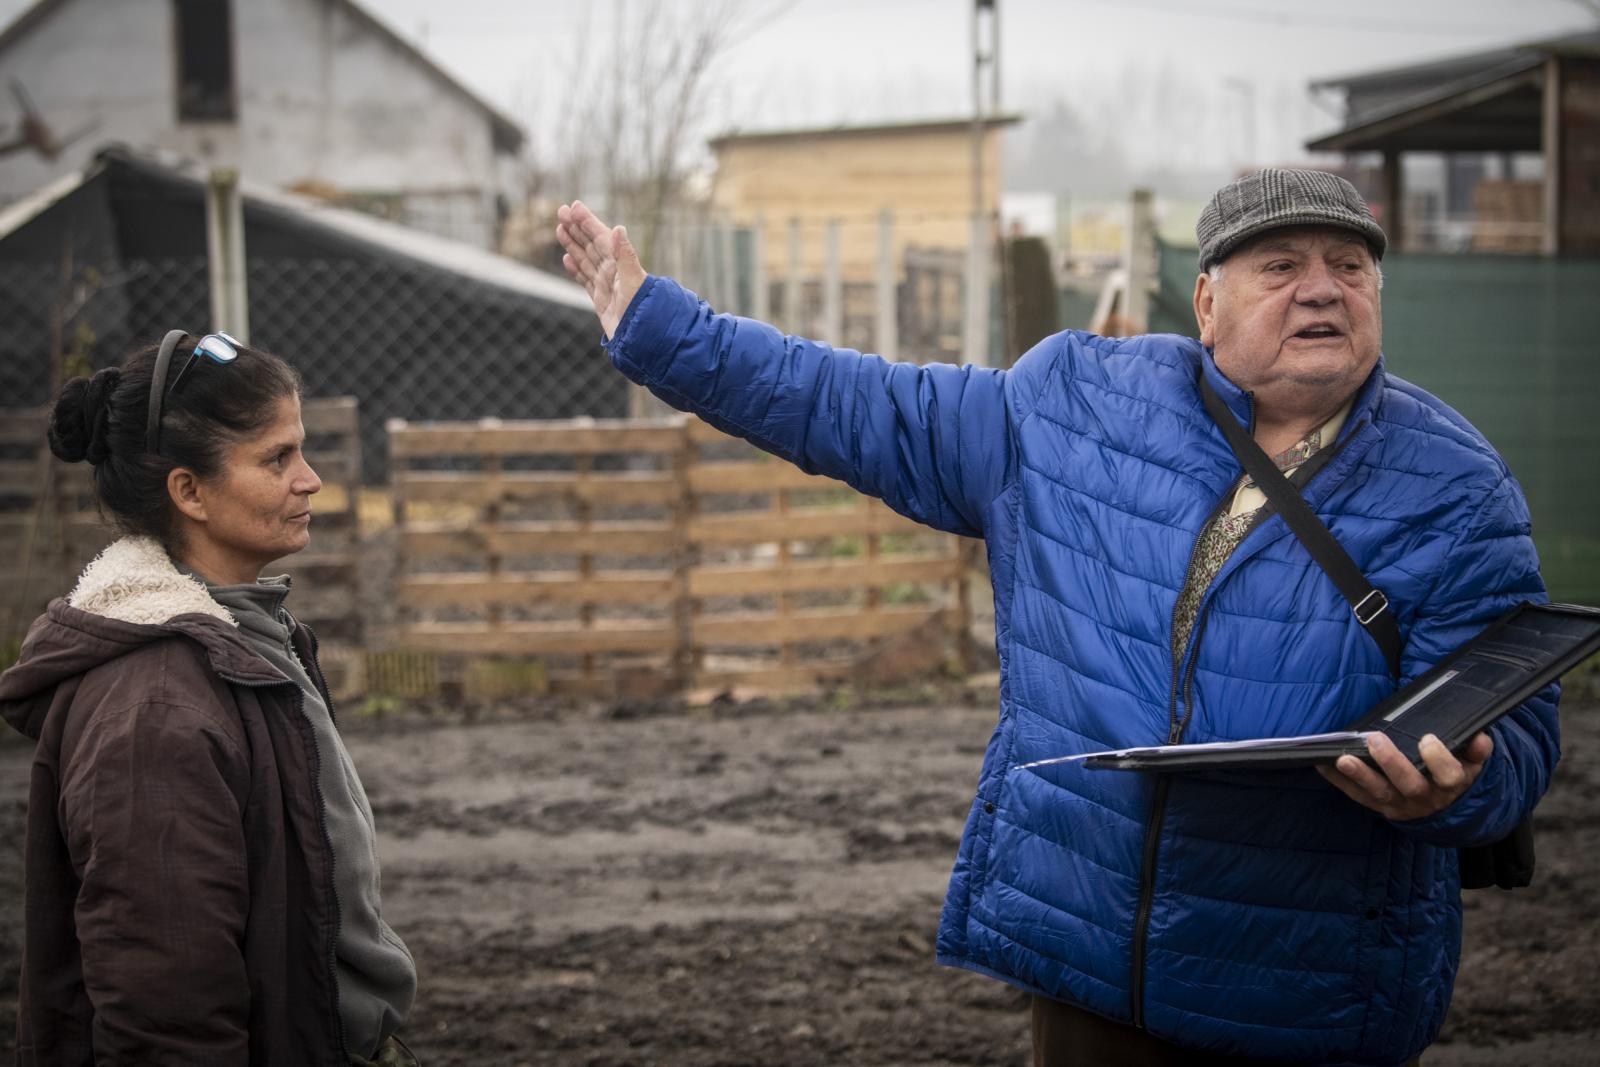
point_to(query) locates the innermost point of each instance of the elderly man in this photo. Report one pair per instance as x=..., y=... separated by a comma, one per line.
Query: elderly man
x=1144, y=595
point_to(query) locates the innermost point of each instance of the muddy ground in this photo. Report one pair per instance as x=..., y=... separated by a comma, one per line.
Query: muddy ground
x=761, y=885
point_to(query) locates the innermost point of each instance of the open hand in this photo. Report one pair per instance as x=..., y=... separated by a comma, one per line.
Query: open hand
x=600, y=259
x=1402, y=791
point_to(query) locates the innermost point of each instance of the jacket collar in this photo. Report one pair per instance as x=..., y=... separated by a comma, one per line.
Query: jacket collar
x=1363, y=410
x=130, y=595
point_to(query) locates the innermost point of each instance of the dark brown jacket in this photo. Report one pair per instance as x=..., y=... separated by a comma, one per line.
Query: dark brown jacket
x=179, y=898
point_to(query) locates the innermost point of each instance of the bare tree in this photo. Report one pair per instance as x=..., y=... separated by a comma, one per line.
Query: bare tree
x=628, y=127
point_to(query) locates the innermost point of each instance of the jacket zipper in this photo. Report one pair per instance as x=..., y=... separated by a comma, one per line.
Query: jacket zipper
x=322, y=817
x=1158, y=809
x=1183, y=686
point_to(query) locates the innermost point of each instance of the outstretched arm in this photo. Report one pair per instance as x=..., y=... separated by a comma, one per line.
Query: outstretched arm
x=933, y=441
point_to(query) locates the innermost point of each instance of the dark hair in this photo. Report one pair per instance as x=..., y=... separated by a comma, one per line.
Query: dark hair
x=102, y=420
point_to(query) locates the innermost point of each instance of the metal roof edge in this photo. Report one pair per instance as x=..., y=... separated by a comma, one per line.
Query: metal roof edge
x=379, y=235
x=1511, y=73
x=862, y=129
x=21, y=212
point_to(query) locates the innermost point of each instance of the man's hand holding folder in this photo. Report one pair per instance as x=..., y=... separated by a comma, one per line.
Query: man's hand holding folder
x=1402, y=791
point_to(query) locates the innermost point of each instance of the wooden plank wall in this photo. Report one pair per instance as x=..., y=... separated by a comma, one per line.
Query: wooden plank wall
x=644, y=556
x=50, y=526
x=560, y=541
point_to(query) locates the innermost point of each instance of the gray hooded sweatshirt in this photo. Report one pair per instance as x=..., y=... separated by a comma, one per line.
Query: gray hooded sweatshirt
x=377, y=978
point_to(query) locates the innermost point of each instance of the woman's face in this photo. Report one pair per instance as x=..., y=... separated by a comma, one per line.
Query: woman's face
x=258, y=508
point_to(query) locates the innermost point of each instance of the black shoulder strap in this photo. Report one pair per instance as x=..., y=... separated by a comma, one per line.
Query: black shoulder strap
x=1368, y=604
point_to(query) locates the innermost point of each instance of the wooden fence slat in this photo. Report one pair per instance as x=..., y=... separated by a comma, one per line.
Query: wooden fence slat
x=755, y=477
x=330, y=415
x=582, y=437
x=797, y=526
x=455, y=487
x=703, y=433
x=23, y=426
x=536, y=640
x=749, y=630
x=470, y=590
x=19, y=477
x=536, y=539
x=811, y=577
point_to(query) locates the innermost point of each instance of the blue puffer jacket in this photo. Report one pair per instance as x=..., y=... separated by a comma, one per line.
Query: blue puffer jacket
x=1263, y=916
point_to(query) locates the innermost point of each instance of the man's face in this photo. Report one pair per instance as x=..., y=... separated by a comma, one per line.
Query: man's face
x=1294, y=318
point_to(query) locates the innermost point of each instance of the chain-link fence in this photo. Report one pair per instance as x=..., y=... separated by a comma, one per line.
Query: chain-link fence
x=407, y=341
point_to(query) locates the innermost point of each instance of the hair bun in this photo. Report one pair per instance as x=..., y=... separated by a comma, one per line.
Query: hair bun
x=81, y=422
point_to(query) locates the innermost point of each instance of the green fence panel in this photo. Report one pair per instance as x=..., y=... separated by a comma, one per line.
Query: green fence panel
x=1511, y=342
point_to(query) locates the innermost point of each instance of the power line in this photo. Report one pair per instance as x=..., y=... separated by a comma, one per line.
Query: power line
x=1351, y=23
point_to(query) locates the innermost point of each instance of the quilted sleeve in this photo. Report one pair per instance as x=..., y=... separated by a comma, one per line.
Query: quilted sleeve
x=931, y=441
x=1491, y=568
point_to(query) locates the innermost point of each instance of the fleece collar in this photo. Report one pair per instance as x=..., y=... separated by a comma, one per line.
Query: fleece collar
x=134, y=580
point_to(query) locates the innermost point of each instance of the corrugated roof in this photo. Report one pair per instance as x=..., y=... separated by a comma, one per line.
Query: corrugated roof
x=378, y=236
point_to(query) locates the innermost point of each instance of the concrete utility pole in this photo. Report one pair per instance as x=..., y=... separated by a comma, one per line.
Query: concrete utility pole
x=981, y=241
x=230, y=299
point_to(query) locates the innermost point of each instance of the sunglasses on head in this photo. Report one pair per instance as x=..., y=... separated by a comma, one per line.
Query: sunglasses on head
x=217, y=347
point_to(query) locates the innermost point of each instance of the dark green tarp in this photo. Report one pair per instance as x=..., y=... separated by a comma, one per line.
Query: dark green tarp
x=1511, y=342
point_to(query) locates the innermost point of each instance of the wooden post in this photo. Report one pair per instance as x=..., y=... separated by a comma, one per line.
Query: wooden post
x=1394, y=226
x=832, y=287
x=785, y=565
x=1550, y=136
x=966, y=552
x=492, y=515
x=759, y=297
x=1137, y=254
x=583, y=508
x=686, y=658
x=793, y=319
x=397, y=505
x=888, y=339
x=871, y=556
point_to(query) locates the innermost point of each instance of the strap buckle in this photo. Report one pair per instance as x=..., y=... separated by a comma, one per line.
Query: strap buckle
x=1382, y=605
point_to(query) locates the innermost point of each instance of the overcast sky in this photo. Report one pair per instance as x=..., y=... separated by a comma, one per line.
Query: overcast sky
x=826, y=61
x=1174, y=80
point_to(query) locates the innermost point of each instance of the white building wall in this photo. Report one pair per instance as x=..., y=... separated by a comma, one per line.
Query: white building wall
x=322, y=98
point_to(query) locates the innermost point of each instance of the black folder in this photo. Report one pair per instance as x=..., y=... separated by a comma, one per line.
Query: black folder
x=1513, y=658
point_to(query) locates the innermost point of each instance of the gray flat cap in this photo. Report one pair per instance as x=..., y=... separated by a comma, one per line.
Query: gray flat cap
x=1273, y=199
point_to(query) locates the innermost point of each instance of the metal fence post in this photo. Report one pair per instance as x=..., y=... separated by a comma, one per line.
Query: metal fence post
x=888, y=332
x=975, y=333
x=759, y=297
x=832, y=287
x=793, y=321
x=730, y=299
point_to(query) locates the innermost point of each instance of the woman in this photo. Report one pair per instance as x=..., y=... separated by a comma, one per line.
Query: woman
x=201, y=877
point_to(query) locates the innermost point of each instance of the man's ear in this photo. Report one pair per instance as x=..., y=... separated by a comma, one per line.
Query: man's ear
x=186, y=493
x=1205, y=315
